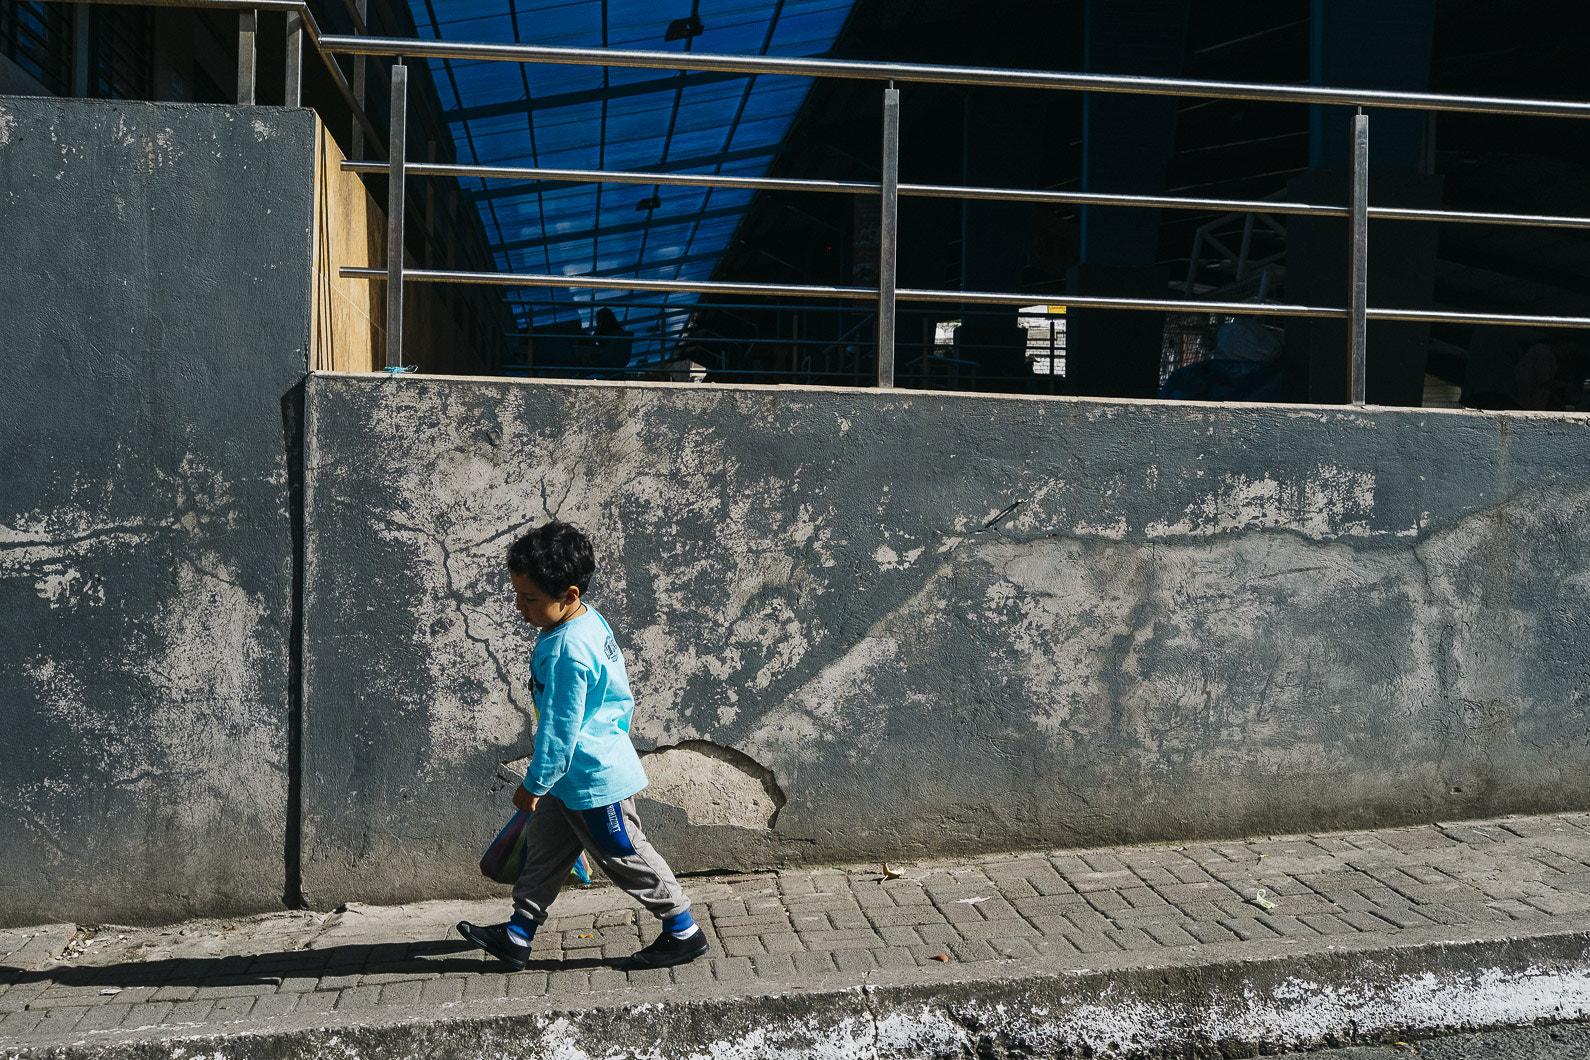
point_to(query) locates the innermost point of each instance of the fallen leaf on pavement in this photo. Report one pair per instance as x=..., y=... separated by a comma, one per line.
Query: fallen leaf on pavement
x=938, y=957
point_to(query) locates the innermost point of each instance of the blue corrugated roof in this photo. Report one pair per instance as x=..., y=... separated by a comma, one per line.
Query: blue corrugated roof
x=573, y=117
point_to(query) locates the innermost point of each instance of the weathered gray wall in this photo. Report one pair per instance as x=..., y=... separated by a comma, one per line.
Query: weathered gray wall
x=944, y=622
x=154, y=314
x=860, y=625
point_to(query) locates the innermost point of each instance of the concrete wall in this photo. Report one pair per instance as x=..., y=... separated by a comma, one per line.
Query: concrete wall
x=155, y=305
x=861, y=625
x=875, y=626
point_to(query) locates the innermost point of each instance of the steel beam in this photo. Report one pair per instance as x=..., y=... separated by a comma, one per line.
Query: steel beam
x=888, y=235
x=1358, y=265
x=397, y=148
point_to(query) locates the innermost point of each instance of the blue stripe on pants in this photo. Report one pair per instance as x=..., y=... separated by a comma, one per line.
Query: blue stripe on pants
x=606, y=824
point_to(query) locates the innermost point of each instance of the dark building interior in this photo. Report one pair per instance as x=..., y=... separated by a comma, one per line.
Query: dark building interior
x=1215, y=149
x=955, y=135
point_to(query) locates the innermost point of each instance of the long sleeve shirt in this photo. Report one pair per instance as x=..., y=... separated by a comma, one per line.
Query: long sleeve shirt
x=583, y=755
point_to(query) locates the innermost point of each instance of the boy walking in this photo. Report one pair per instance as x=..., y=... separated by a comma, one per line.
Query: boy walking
x=584, y=774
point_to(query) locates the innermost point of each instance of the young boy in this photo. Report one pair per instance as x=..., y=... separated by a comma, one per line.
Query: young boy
x=584, y=774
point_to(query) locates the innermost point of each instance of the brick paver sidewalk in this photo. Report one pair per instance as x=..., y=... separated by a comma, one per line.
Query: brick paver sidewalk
x=63, y=984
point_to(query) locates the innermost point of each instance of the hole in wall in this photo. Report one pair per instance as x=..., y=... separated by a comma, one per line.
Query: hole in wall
x=714, y=785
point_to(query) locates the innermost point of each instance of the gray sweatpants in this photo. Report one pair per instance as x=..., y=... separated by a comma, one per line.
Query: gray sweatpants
x=611, y=835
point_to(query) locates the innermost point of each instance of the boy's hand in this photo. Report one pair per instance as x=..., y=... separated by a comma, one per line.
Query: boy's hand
x=523, y=800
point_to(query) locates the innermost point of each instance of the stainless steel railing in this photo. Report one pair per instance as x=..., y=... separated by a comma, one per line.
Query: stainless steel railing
x=953, y=75
x=1358, y=213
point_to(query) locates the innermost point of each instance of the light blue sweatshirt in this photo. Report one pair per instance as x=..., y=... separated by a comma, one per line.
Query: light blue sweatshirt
x=583, y=755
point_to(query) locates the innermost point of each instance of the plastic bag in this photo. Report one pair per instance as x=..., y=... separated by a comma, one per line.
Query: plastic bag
x=503, y=861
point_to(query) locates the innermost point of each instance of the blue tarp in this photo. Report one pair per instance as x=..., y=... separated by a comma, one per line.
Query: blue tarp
x=574, y=117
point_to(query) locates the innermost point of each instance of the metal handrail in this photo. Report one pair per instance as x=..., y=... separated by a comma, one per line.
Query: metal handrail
x=953, y=75
x=1035, y=301
x=619, y=283
x=1000, y=298
x=1358, y=212
x=958, y=191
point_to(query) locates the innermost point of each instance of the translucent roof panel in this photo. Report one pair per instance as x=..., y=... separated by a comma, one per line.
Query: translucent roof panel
x=578, y=117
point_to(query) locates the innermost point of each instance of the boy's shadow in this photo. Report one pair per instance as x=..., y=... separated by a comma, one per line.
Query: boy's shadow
x=444, y=957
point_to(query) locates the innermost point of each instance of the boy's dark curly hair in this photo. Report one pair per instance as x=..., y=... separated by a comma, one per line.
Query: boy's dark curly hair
x=555, y=556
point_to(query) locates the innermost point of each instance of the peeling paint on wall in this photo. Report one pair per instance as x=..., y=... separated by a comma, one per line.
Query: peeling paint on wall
x=1328, y=503
x=145, y=540
x=1067, y=625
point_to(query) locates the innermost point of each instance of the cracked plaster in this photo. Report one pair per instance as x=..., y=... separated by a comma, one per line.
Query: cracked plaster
x=145, y=540
x=1017, y=623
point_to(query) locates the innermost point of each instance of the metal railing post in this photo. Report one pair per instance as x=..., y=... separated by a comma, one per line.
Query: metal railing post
x=295, y=59
x=83, y=69
x=1358, y=271
x=888, y=234
x=361, y=8
x=247, y=26
x=397, y=148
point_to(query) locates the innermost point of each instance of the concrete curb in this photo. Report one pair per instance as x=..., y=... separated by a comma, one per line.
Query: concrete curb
x=1295, y=996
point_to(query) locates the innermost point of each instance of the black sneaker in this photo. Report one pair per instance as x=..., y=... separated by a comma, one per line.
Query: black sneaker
x=666, y=951
x=498, y=941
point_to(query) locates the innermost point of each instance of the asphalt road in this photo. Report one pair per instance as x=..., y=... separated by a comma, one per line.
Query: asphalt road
x=1567, y=1041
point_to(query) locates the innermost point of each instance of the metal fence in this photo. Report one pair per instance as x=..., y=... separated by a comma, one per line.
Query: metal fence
x=887, y=294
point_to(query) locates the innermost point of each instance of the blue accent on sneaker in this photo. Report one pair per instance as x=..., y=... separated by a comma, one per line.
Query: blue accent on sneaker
x=679, y=924
x=606, y=825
